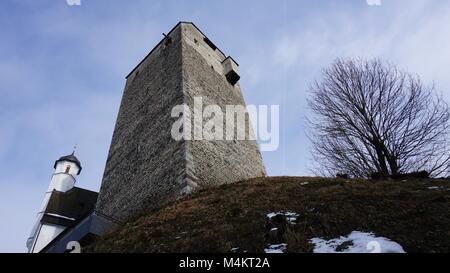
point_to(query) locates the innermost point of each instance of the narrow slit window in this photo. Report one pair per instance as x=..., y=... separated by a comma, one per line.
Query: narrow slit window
x=67, y=169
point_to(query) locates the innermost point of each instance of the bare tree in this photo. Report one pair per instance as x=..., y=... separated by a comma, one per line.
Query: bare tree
x=370, y=117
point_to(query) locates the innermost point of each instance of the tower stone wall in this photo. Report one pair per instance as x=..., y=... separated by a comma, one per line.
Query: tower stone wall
x=146, y=167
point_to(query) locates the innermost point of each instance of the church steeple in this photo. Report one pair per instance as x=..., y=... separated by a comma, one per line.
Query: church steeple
x=63, y=180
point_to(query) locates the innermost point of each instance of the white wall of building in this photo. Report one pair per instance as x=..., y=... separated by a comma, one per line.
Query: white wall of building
x=63, y=178
x=46, y=234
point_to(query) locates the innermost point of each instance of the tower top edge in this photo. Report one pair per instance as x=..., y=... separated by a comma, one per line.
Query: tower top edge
x=168, y=34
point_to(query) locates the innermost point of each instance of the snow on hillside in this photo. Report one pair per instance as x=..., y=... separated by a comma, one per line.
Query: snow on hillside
x=356, y=242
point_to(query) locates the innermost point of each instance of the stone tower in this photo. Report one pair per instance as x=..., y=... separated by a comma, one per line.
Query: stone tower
x=146, y=166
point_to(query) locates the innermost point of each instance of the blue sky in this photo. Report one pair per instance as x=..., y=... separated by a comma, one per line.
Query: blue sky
x=62, y=71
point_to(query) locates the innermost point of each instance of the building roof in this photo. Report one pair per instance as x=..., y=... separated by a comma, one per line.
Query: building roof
x=72, y=209
x=71, y=158
x=68, y=208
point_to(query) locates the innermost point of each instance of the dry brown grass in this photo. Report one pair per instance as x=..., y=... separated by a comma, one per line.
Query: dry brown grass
x=234, y=215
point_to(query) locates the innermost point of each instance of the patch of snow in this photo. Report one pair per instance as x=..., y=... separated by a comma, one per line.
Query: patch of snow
x=304, y=183
x=291, y=217
x=280, y=248
x=434, y=188
x=235, y=249
x=358, y=242
x=272, y=214
x=273, y=229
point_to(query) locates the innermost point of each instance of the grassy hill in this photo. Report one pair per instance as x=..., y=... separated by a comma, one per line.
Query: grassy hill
x=236, y=217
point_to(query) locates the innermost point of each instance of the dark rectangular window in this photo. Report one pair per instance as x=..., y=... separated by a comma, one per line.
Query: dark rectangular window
x=208, y=42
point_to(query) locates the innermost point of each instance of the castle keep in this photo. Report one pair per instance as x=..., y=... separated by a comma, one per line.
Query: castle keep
x=146, y=166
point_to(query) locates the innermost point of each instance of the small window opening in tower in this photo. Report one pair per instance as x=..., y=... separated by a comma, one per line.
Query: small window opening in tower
x=168, y=41
x=67, y=169
x=208, y=42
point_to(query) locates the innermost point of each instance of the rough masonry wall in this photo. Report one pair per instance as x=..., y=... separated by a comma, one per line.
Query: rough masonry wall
x=145, y=166
x=215, y=162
